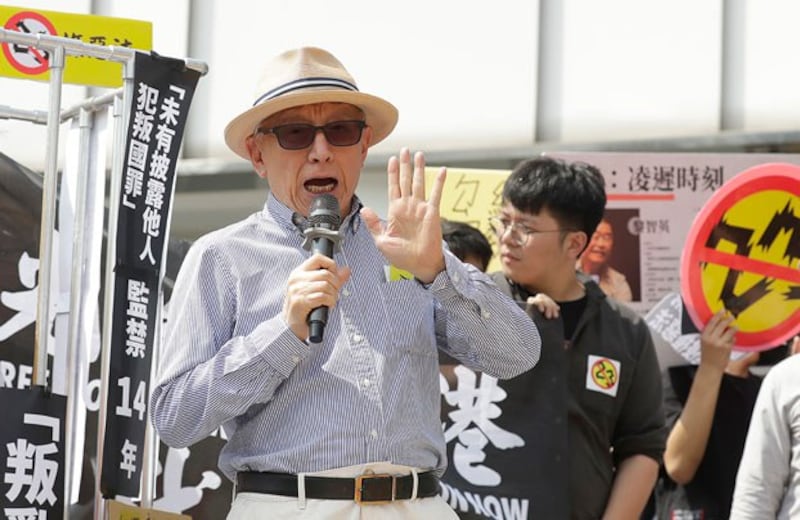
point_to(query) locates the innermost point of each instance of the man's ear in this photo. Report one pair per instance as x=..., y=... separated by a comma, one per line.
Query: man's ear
x=366, y=141
x=256, y=157
x=576, y=243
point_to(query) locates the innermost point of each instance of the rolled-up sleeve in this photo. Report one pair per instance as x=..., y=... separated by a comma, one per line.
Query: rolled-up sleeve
x=479, y=325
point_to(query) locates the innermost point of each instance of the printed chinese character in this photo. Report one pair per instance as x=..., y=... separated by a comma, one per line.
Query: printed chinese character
x=142, y=126
x=660, y=320
x=147, y=99
x=664, y=178
x=24, y=302
x=687, y=178
x=177, y=496
x=29, y=466
x=713, y=178
x=640, y=179
x=164, y=136
x=24, y=513
x=155, y=194
x=475, y=406
x=137, y=157
x=171, y=108
x=137, y=332
x=159, y=167
x=128, y=463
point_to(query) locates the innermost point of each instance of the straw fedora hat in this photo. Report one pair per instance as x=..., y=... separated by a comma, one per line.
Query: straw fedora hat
x=302, y=77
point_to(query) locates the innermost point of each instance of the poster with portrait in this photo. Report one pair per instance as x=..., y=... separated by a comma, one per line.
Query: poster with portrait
x=612, y=256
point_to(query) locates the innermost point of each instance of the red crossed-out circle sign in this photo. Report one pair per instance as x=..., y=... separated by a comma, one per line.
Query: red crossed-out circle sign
x=28, y=60
x=742, y=254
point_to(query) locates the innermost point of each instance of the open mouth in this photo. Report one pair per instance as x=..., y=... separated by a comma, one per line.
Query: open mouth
x=322, y=185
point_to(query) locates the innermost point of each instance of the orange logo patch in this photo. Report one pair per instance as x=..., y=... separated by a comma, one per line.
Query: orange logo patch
x=604, y=373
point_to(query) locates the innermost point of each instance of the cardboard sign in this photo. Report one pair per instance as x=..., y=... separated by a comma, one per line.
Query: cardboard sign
x=121, y=511
x=742, y=255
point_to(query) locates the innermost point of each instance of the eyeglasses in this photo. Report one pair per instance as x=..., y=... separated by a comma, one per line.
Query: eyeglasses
x=519, y=233
x=297, y=136
x=605, y=237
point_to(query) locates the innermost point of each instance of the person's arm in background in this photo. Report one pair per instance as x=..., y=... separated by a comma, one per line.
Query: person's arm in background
x=686, y=444
x=545, y=304
x=633, y=483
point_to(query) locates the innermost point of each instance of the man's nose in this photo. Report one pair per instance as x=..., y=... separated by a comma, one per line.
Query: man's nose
x=320, y=147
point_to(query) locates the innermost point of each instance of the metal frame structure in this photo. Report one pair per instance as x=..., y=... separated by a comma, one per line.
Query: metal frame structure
x=59, y=48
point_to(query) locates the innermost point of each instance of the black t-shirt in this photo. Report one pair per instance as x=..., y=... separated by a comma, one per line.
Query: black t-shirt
x=571, y=313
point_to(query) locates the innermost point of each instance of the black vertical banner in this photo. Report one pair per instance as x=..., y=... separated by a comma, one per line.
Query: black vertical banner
x=32, y=436
x=163, y=90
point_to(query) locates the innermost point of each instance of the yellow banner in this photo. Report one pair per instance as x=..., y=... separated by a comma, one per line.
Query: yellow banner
x=20, y=61
x=471, y=196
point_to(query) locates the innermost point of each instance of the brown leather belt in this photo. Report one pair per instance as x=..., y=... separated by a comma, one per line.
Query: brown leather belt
x=365, y=489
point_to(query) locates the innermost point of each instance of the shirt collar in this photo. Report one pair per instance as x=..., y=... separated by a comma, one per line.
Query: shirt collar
x=282, y=214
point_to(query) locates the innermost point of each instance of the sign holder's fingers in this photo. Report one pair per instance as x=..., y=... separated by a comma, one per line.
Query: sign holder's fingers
x=730, y=334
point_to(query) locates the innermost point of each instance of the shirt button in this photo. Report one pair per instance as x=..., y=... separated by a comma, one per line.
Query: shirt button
x=487, y=314
x=296, y=359
x=456, y=278
x=365, y=382
x=374, y=434
x=357, y=338
x=345, y=292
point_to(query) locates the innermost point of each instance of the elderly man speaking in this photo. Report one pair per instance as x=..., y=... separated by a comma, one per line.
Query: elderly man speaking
x=341, y=421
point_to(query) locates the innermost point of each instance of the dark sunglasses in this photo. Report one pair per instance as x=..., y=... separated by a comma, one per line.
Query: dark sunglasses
x=297, y=136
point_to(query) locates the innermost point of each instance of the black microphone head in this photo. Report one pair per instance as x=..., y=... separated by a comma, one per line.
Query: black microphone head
x=324, y=212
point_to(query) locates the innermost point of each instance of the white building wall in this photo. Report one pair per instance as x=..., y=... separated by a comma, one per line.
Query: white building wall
x=637, y=69
x=466, y=74
x=471, y=77
x=772, y=78
x=462, y=73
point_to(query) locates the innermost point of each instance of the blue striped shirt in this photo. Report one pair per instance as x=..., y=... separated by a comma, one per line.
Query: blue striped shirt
x=369, y=392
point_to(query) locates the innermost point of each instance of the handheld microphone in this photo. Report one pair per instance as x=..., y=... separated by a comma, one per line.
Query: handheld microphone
x=322, y=236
